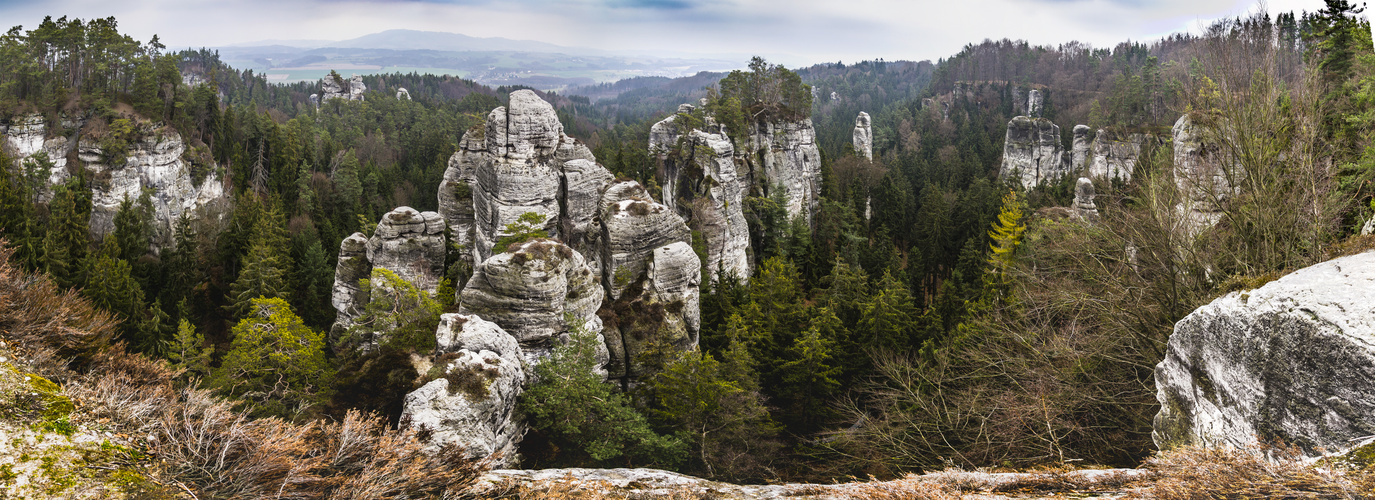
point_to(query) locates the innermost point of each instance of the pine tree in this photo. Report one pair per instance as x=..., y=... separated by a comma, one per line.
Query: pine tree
x=1007, y=234
x=187, y=351
x=275, y=362
x=65, y=244
x=265, y=265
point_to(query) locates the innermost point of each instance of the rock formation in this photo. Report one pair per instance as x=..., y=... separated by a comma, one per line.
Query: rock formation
x=524, y=165
x=651, y=275
x=1115, y=157
x=701, y=183
x=456, y=189
x=402, y=93
x=153, y=164
x=1084, y=208
x=408, y=243
x=864, y=136
x=1200, y=175
x=1035, y=102
x=1031, y=151
x=1080, y=151
x=470, y=398
x=791, y=161
x=1292, y=362
x=349, y=296
x=531, y=290
x=337, y=88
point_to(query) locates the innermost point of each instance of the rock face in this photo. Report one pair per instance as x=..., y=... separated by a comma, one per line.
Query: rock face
x=791, y=161
x=154, y=164
x=456, y=189
x=1291, y=362
x=864, y=136
x=351, y=90
x=701, y=183
x=402, y=93
x=1200, y=175
x=524, y=167
x=349, y=297
x=1031, y=151
x=1084, y=208
x=1115, y=157
x=1080, y=150
x=410, y=244
x=530, y=290
x=470, y=399
x=1035, y=102
x=651, y=275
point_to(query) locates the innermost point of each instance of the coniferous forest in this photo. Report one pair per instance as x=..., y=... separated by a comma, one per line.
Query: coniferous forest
x=933, y=313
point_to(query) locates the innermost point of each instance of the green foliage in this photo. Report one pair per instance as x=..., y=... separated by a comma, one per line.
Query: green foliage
x=275, y=363
x=587, y=418
x=528, y=226
x=397, y=314
x=188, y=351
x=1007, y=233
x=265, y=265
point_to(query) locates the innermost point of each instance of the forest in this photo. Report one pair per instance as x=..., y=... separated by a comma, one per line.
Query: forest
x=931, y=314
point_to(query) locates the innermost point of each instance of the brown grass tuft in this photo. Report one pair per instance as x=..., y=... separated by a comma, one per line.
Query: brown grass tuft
x=1191, y=473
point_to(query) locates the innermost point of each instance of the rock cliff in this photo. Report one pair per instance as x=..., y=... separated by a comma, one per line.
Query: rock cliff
x=408, y=243
x=1032, y=152
x=864, y=136
x=1080, y=150
x=1084, y=207
x=701, y=183
x=1114, y=156
x=784, y=155
x=349, y=297
x=154, y=163
x=532, y=290
x=1292, y=362
x=1200, y=175
x=1035, y=103
x=470, y=397
x=352, y=90
x=651, y=275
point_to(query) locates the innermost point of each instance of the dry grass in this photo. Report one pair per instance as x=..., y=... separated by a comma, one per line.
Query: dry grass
x=1192, y=473
x=206, y=444
x=572, y=489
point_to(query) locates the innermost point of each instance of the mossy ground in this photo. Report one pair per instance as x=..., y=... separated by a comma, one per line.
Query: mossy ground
x=50, y=449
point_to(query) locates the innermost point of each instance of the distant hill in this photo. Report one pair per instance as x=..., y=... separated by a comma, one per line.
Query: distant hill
x=437, y=40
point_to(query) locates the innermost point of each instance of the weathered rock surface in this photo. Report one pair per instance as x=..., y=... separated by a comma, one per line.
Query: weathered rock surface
x=524, y=168
x=1080, y=150
x=470, y=399
x=411, y=244
x=651, y=274
x=153, y=164
x=791, y=161
x=1291, y=362
x=351, y=90
x=402, y=93
x=456, y=189
x=1115, y=157
x=584, y=181
x=1084, y=208
x=701, y=183
x=654, y=483
x=349, y=296
x=1031, y=151
x=1035, y=102
x=1200, y=175
x=864, y=136
x=529, y=290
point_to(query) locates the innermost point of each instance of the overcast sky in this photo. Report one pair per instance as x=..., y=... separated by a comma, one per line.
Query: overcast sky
x=792, y=31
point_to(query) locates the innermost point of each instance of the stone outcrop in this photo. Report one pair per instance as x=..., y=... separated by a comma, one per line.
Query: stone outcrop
x=470, y=397
x=1032, y=152
x=1291, y=363
x=531, y=290
x=864, y=136
x=402, y=93
x=349, y=297
x=456, y=189
x=1200, y=175
x=701, y=183
x=154, y=163
x=1115, y=157
x=411, y=244
x=651, y=275
x=791, y=161
x=1080, y=150
x=1083, y=207
x=1035, y=103
x=524, y=167
x=352, y=89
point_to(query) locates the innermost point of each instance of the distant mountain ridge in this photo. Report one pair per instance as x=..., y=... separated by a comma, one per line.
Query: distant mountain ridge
x=404, y=39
